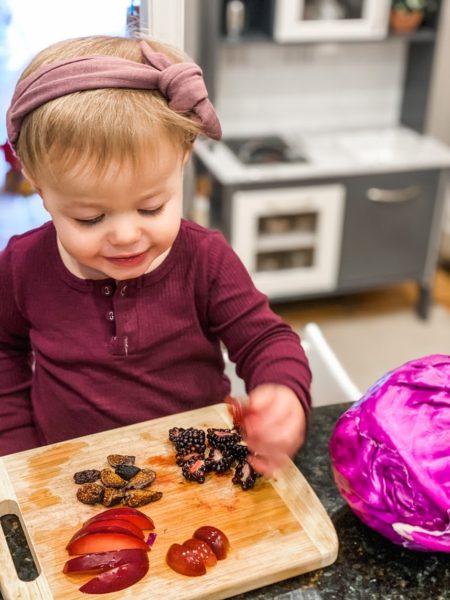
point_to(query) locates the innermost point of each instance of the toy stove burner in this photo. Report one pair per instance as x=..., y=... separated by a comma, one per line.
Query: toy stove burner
x=263, y=150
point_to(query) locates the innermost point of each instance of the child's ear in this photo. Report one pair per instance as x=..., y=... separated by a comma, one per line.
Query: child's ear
x=187, y=156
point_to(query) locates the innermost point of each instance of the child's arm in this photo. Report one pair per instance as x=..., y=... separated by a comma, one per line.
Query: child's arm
x=268, y=356
x=17, y=431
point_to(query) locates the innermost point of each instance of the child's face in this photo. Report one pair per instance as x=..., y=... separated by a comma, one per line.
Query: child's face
x=121, y=225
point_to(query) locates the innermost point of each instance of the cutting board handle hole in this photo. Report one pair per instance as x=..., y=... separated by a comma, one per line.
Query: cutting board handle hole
x=17, y=541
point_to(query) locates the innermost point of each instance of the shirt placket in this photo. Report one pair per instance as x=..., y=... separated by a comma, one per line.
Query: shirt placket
x=121, y=314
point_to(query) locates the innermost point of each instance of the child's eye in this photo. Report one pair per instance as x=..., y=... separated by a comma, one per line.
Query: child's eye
x=90, y=221
x=151, y=211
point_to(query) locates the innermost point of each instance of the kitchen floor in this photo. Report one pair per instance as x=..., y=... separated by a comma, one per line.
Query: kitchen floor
x=374, y=332
x=378, y=302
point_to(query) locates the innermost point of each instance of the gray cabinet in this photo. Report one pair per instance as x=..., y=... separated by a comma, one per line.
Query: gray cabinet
x=389, y=231
x=387, y=228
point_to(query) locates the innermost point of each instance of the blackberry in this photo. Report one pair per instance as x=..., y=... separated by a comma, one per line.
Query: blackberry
x=222, y=437
x=190, y=449
x=240, y=451
x=194, y=470
x=190, y=440
x=219, y=460
x=175, y=433
x=245, y=475
x=193, y=436
x=181, y=458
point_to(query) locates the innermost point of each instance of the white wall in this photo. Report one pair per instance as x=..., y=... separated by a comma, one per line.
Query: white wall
x=438, y=116
x=164, y=20
x=36, y=24
x=264, y=87
x=438, y=113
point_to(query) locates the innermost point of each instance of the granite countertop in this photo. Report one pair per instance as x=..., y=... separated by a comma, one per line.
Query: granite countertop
x=331, y=154
x=368, y=566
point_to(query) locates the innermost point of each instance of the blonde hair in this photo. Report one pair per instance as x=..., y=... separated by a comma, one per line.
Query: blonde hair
x=98, y=127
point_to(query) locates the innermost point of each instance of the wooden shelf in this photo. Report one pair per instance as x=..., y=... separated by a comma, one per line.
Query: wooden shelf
x=247, y=38
x=293, y=240
x=424, y=34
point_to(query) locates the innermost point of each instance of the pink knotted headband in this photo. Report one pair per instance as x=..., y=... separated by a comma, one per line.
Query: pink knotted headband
x=181, y=84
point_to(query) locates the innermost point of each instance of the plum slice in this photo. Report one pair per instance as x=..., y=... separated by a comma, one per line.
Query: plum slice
x=108, y=526
x=129, y=514
x=102, y=561
x=203, y=549
x=215, y=538
x=117, y=578
x=105, y=542
x=185, y=561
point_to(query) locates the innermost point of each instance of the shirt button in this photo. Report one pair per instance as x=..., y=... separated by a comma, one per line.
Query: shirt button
x=107, y=290
x=123, y=291
x=110, y=315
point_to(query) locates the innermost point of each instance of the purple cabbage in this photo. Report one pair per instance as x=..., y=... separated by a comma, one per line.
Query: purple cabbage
x=390, y=454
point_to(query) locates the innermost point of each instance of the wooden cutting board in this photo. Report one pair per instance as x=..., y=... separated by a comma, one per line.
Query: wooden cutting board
x=277, y=530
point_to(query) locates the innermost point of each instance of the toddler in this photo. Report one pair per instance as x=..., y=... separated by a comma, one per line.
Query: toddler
x=114, y=311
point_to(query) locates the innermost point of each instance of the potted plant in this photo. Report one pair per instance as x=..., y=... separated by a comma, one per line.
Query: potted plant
x=407, y=15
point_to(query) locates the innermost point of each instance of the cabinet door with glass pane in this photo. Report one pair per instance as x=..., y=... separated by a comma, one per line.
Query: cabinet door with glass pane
x=289, y=238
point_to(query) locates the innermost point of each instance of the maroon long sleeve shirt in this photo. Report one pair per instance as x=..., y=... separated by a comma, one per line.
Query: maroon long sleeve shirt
x=108, y=354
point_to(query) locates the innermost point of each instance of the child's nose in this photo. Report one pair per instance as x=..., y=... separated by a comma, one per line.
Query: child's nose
x=124, y=231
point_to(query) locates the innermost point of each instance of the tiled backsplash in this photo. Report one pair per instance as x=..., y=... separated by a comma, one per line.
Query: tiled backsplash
x=305, y=87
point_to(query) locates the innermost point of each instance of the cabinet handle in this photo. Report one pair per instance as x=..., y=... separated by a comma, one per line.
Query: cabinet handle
x=402, y=195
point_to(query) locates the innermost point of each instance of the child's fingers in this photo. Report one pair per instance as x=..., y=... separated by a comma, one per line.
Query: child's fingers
x=264, y=435
x=261, y=398
x=239, y=410
x=267, y=464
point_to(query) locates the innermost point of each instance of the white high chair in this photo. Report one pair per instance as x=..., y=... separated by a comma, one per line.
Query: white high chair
x=330, y=385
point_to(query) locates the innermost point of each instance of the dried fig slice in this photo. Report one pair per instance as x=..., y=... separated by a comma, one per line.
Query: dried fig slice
x=111, y=479
x=86, y=476
x=144, y=478
x=90, y=493
x=127, y=471
x=112, y=496
x=114, y=460
x=137, y=498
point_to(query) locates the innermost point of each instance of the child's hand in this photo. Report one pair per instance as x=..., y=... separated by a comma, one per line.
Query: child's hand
x=274, y=426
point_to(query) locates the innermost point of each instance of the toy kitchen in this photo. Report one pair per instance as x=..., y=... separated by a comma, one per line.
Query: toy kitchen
x=324, y=182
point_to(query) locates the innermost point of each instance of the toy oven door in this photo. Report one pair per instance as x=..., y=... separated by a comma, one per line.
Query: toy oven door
x=330, y=20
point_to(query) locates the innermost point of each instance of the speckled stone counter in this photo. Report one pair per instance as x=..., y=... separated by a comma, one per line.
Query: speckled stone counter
x=368, y=566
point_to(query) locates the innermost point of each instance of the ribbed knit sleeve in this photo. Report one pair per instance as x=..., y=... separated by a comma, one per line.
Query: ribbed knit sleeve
x=264, y=348
x=17, y=430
